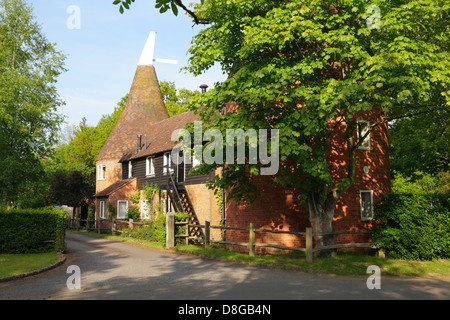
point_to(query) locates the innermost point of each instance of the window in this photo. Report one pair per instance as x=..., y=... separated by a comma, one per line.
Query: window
x=101, y=172
x=165, y=203
x=150, y=166
x=122, y=209
x=102, y=211
x=195, y=161
x=167, y=162
x=366, y=198
x=130, y=169
x=363, y=127
x=145, y=209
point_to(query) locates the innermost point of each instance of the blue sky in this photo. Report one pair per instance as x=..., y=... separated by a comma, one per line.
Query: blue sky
x=102, y=55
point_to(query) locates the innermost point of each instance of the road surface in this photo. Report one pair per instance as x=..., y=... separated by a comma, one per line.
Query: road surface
x=114, y=270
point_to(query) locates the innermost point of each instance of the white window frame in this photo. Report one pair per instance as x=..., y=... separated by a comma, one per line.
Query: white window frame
x=102, y=209
x=101, y=172
x=365, y=145
x=164, y=202
x=195, y=161
x=167, y=158
x=145, y=214
x=150, y=166
x=130, y=169
x=118, y=209
x=366, y=217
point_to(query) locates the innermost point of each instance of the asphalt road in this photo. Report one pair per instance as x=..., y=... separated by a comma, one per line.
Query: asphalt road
x=113, y=270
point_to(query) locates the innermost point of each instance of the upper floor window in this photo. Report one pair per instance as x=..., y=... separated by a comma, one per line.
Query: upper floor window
x=196, y=160
x=150, y=166
x=167, y=162
x=363, y=128
x=101, y=172
x=130, y=169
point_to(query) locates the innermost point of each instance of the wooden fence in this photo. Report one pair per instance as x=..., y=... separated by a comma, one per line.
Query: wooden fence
x=99, y=225
x=96, y=225
x=309, y=250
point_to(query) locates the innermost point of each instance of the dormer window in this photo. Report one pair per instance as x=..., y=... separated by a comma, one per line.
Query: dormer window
x=101, y=172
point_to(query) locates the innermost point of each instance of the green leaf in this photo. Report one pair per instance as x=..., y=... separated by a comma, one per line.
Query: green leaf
x=174, y=8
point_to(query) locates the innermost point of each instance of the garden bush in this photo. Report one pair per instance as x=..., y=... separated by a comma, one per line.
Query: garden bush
x=413, y=226
x=29, y=230
x=156, y=229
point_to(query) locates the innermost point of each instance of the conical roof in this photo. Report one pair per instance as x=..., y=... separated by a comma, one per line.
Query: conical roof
x=144, y=107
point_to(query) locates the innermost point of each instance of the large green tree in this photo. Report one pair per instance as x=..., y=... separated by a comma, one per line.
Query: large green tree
x=421, y=142
x=296, y=65
x=176, y=100
x=29, y=67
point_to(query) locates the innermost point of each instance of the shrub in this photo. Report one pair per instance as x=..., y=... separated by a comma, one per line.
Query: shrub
x=28, y=230
x=414, y=226
x=156, y=229
x=133, y=213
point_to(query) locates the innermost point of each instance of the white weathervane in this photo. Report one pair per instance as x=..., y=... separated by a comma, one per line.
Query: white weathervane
x=147, y=57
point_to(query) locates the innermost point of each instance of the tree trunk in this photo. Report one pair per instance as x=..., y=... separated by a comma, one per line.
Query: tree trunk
x=321, y=213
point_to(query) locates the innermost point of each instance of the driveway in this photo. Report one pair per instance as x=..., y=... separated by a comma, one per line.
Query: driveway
x=115, y=270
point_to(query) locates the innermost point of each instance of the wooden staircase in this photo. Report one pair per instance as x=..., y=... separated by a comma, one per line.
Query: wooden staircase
x=182, y=203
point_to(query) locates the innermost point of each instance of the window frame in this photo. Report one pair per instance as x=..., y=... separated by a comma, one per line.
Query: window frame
x=130, y=169
x=101, y=172
x=102, y=209
x=147, y=215
x=195, y=161
x=167, y=159
x=366, y=143
x=150, y=166
x=118, y=209
x=370, y=216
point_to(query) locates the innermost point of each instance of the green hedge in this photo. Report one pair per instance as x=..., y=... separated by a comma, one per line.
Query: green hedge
x=29, y=230
x=156, y=230
x=413, y=226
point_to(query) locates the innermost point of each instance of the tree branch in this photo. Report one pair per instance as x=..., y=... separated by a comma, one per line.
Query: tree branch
x=191, y=13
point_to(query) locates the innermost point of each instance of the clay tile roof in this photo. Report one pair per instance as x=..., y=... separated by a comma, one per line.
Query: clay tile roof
x=112, y=188
x=144, y=107
x=159, y=136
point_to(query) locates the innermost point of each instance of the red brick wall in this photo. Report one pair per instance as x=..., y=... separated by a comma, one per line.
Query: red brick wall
x=113, y=173
x=121, y=194
x=205, y=206
x=277, y=209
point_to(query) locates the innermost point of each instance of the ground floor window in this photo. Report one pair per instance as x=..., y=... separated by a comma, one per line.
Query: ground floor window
x=166, y=204
x=102, y=210
x=122, y=209
x=366, y=199
x=145, y=209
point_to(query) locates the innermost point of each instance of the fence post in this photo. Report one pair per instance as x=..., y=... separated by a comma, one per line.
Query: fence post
x=87, y=224
x=309, y=252
x=130, y=224
x=251, y=237
x=112, y=226
x=207, y=234
x=170, y=230
x=187, y=232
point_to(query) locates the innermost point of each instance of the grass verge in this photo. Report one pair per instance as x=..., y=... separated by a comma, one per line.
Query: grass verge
x=16, y=264
x=345, y=263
